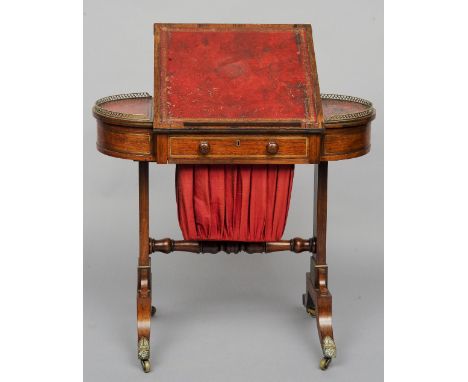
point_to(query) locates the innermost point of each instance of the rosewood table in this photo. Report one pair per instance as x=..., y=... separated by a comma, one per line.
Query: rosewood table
x=246, y=97
x=125, y=129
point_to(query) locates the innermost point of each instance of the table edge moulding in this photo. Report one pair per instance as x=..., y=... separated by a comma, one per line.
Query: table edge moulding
x=132, y=136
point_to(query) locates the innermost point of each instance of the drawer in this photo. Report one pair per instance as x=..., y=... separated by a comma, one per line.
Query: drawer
x=125, y=142
x=238, y=149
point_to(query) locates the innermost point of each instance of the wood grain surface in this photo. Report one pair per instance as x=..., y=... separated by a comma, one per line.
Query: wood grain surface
x=136, y=139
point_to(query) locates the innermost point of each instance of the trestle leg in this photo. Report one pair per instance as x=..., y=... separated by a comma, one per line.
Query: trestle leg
x=144, y=308
x=318, y=299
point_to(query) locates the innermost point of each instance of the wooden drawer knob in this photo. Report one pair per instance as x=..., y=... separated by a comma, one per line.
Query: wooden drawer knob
x=272, y=147
x=204, y=147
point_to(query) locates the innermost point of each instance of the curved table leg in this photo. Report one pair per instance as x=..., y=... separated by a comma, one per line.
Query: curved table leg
x=321, y=299
x=144, y=308
x=318, y=300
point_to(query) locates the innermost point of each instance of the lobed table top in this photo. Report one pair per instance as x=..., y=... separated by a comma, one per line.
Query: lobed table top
x=136, y=109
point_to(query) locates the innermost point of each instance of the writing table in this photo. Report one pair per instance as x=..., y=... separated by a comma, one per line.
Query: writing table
x=235, y=95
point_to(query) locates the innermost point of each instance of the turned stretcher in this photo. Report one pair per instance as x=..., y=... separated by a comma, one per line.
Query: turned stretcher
x=184, y=124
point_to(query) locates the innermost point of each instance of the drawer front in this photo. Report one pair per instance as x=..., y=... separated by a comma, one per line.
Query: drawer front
x=346, y=143
x=125, y=142
x=238, y=149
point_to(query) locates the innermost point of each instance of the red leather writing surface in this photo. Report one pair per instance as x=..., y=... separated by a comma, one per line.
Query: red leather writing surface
x=233, y=202
x=234, y=74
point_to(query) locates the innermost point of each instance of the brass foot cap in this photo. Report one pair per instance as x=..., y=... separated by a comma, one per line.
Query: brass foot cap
x=324, y=363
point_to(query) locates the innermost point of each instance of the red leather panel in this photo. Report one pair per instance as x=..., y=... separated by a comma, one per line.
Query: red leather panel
x=235, y=74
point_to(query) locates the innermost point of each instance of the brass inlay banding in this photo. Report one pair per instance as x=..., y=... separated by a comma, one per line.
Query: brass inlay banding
x=217, y=138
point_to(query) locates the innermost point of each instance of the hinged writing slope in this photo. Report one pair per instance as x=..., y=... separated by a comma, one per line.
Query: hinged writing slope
x=236, y=107
x=235, y=76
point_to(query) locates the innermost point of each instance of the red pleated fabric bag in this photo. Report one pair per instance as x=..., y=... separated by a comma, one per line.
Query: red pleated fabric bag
x=233, y=202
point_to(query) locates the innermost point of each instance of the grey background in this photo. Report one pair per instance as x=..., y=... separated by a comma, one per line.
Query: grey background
x=227, y=317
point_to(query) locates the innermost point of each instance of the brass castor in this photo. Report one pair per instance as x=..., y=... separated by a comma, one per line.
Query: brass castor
x=153, y=311
x=324, y=363
x=145, y=364
x=311, y=312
